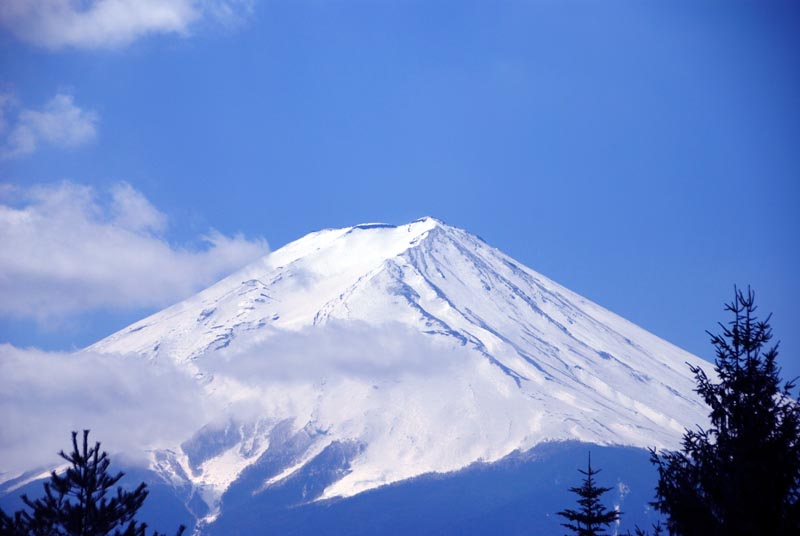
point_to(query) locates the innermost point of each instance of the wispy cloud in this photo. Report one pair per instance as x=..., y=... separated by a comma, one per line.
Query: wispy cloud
x=60, y=122
x=111, y=23
x=69, y=249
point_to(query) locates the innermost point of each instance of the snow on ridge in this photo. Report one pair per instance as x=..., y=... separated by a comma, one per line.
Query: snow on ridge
x=314, y=269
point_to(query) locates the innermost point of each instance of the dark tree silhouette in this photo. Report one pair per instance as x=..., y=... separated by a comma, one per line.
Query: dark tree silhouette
x=658, y=530
x=741, y=476
x=592, y=517
x=79, y=502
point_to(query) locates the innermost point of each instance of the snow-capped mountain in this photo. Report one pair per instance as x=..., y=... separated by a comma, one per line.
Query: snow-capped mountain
x=359, y=357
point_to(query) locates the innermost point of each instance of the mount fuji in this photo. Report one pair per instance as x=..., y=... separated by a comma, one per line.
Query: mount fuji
x=394, y=369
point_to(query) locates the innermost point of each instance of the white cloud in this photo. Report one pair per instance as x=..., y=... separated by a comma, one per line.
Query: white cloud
x=131, y=210
x=111, y=23
x=68, y=250
x=339, y=349
x=132, y=404
x=59, y=123
x=129, y=404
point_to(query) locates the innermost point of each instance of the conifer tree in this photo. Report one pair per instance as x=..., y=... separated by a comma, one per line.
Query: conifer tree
x=658, y=530
x=740, y=476
x=80, y=502
x=592, y=517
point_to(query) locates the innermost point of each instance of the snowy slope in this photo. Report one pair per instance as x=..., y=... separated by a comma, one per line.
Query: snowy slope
x=393, y=351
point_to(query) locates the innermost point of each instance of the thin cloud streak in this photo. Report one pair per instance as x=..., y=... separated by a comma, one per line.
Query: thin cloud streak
x=68, y=250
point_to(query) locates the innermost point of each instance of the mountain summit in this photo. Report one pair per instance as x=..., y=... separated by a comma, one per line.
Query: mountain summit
x=377, y=353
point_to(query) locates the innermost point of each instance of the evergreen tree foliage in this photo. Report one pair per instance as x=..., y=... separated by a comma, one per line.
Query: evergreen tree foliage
x=80, y=502
x=658, y=530
x=592, y=517
x=741, y=476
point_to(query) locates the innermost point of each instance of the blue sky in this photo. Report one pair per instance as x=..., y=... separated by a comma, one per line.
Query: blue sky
x=643, y=154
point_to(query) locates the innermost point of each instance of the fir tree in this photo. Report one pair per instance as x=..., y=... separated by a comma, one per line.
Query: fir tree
x=592, y=517
x=741, y=476
x=80, y=502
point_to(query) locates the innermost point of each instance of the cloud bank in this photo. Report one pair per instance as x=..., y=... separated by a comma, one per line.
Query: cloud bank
x=67, y=250
x=351, y=350
x=60, y=123
x=56, y=24
x=129, y=404
x=331, y=374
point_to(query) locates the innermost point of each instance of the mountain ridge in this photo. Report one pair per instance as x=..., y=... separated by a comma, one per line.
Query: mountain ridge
x=394, y=351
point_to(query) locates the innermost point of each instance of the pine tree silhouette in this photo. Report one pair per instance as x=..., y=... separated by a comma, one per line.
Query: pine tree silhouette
x=79, y=502
x=592, y=517
x=741, y=476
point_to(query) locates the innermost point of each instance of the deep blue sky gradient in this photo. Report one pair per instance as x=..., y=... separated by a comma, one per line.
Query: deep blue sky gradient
x=644, y=154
